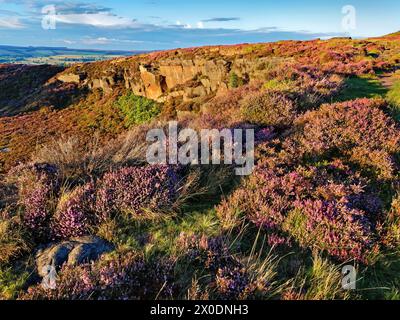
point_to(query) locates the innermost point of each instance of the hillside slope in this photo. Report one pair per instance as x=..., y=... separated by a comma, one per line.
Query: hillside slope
x=81, y=98
x=75, y=184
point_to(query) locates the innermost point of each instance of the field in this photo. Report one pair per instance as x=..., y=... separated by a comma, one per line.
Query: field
x=84, y=216
x=55, y=56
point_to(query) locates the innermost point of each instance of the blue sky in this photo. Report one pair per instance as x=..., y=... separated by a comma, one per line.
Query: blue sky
x=165, y=24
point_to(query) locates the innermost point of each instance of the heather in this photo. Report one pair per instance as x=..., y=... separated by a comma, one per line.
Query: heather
x=17, y=87
x=136, y=189
x=268, y=110
x=118, y=277
x=38, y=186
x=51, y=212
x=76, y=213
x=325, y=208
x=324, y=192
x=359, y=130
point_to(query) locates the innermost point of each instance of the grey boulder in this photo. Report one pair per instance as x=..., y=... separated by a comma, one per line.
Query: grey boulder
x=72, y=252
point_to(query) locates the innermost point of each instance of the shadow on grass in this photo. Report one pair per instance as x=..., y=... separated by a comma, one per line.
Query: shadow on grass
x=361, y=87
x=382, y=281
x=393, y=98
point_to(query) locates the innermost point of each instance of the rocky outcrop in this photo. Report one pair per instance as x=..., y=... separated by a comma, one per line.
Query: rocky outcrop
x=165, y=79
x=73, y=252
x=69, y=77
x=159, y=80
x=180, y=74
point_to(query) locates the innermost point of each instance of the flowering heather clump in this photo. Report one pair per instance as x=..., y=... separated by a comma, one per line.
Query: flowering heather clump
x=269, y=109
x=336, y=208
x=309, y=85
x=212, y=253
x=36, y=216
x=333, y=227
x=231, y=99
x=264, y=135
x=358, y=129
x=133, y=189
x=37, y=184
x=223, y=110
x=274, y=240
x=350, y=68
x=230, y=278
x=76, y=214
x=122, y=277
x=233, y=284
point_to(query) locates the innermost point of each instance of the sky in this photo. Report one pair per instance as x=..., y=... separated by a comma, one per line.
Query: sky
x=167, y=24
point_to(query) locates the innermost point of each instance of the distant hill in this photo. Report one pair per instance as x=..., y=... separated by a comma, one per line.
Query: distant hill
x=57, y=55
x=394, y=34
x=389, y=36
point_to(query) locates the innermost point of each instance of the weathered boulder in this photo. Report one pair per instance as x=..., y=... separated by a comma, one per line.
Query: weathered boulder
x=73, y=252
x=70, y=77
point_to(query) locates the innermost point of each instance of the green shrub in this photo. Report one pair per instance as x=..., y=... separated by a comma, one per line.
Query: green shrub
x=137, y=110
x=235, y=81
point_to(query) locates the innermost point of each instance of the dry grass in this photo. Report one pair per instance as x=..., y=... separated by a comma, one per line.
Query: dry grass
x=323, y=281
x=13, y=241
x=79, y=160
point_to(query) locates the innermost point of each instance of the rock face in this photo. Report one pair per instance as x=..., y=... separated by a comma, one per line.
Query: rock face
x=165, y=79
x=73, y=252
x=182, y=76
x=161, y=78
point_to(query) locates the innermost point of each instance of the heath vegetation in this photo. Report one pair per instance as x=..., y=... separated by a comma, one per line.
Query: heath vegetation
x=325, y=191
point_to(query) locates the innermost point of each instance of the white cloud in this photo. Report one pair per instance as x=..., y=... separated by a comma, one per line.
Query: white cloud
x=105, y=40
x=200, y=25
x=105, y=20
x=11, y=23
x=66, y=41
